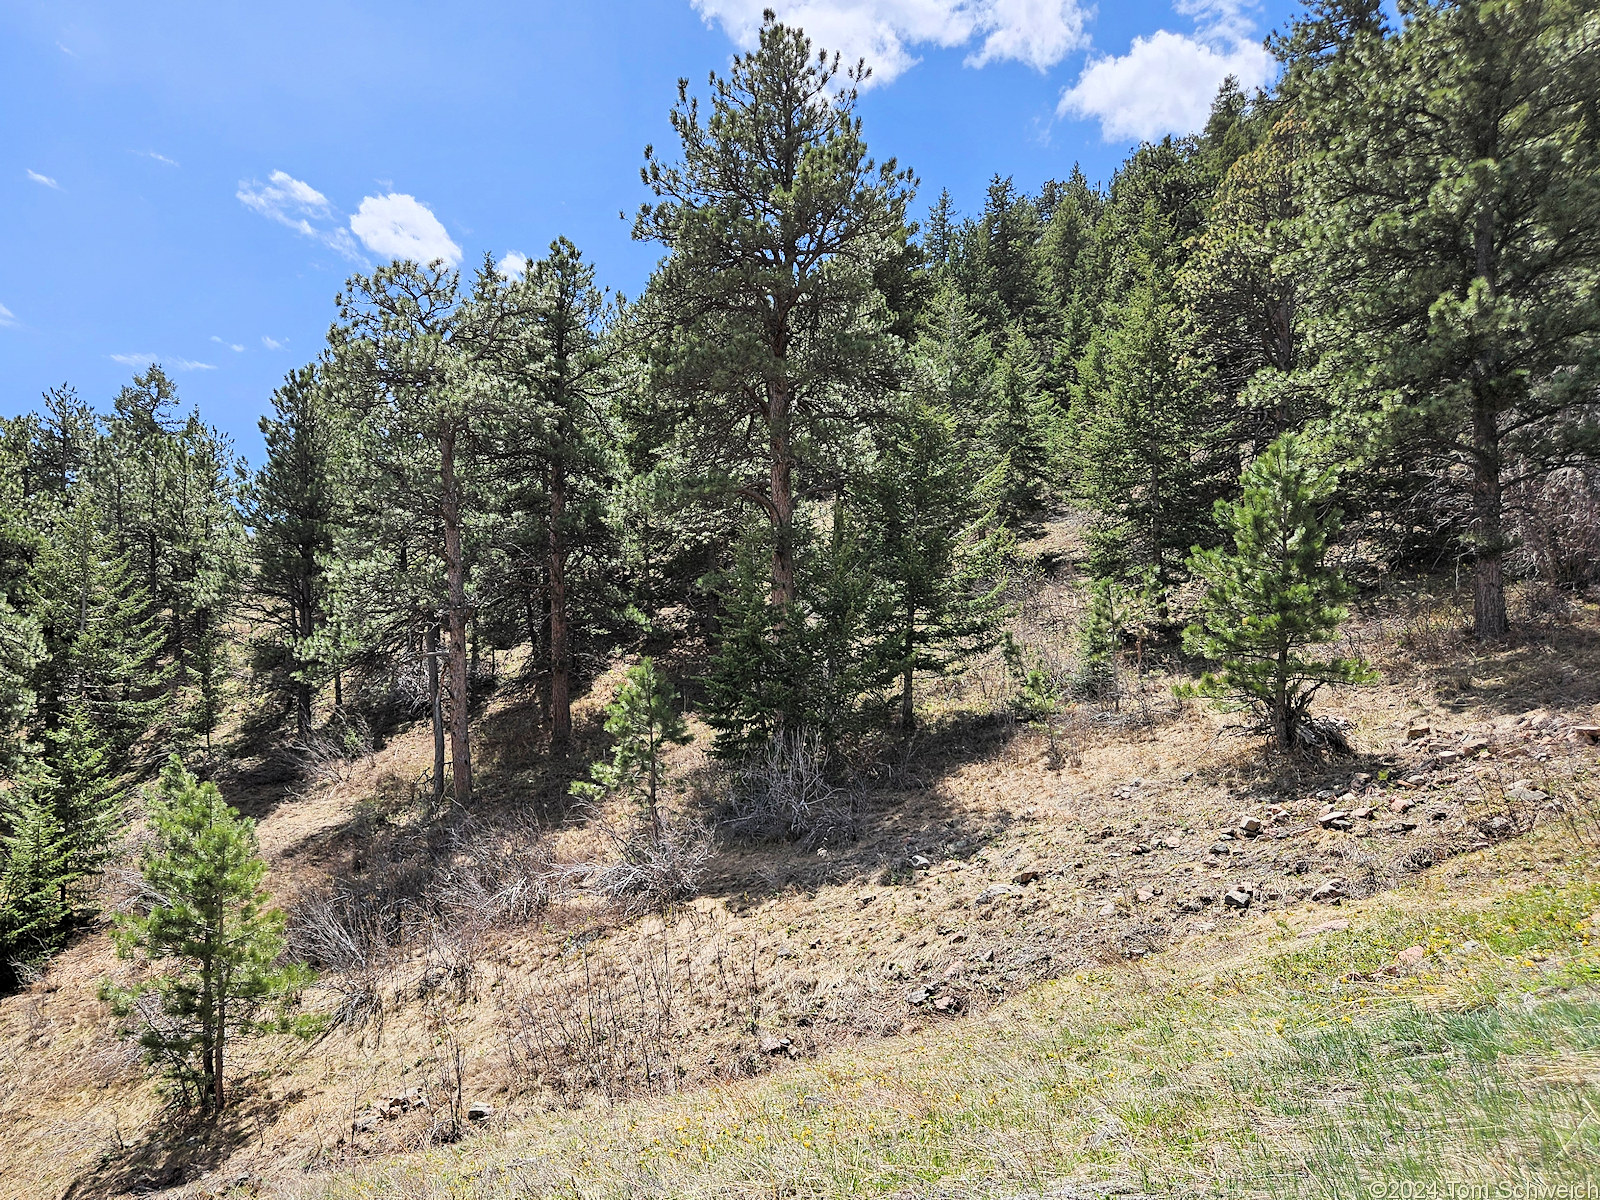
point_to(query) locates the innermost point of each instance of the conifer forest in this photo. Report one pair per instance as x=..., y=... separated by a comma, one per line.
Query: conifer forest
x=578, y=678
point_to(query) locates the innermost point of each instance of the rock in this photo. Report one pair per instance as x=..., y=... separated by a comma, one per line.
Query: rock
x=1525, y=792
x=1467, y=947
x=1108, y=909
x=996, y=891
x=916, y=996
x=944, y=1003
x=1220, y=848
x=1401, y=804
x=1446, y=757
x=1359, y=780
x=1474, y=745
x=1325, y=927
x=1337, y=819
x=1498, y=827
x=1144, y=895
x=1411, y=956
x=771, y=1043
x=1332, y=891
x=1417, y=730
x=1251, y=825
x=1363, y=814
x=1238, y=898
x=365, y=1120
x=1589, y=733
x=918, y=862
x=1025, y=877
x=479, y=1111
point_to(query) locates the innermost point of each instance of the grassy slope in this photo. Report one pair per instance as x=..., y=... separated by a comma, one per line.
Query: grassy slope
x=1233, y=1056
x=1266, y=1064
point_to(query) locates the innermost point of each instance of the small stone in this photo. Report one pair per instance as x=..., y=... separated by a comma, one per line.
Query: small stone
x=944, y=1003
x=1331, y=892
x=1337, y=819
x=1401, y=804
x=1108, y=909
x=996, y=891
x=1446, y=757
x=1238, y=898
x=1467, y=947
x=479, y=1111
x=1144, y=895
x=1025, y=877
x=1589, y=733
x=771, y=1043
x=918, y=862
x=1359, y=780
x=1363, y=814
x=1251, y=825
x=1474, y=745
x=916, y=996
x=1411, y=956
x=1325, y=927
x=1418, y=730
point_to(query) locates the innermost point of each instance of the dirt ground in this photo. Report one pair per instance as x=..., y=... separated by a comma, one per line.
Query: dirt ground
x=988, y=854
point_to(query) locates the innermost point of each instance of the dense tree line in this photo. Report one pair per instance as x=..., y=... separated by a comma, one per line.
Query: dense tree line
x=809, y=450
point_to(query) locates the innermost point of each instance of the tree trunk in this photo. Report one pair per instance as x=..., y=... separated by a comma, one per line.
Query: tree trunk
x=560, y=667
x=456, y=616
x=908, y=714
x=782, y=495
x=305, y=618
x=1489, y=617
x=436, y=712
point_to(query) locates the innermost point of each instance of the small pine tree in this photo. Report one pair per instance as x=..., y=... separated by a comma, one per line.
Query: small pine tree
x=33, y=852
x=644, y=719
x=213, y=926
x=1273, y=594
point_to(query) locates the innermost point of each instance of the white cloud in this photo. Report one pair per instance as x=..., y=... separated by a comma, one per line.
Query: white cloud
x=513, y=266
x=287, y=200
x=401, y=226
x=176, y=364
x=234, y=346
x=1165, y=82
x=887, y=32
x=160, y=158
x=44, y=179
x=295, y=203
x=272, y=343
x=7, y=317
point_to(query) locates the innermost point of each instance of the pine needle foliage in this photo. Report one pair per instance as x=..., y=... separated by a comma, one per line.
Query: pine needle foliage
x=1273, y=595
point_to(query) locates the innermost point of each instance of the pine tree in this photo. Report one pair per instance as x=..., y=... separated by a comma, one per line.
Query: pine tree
x=33, y=856
x=213, y=931
x=1272, y=595
x=552, y=351
x=774, y=301
x=644, y=719
x=940, y=575
x=293, y=507
x=1451, y=245
x=1021, y=439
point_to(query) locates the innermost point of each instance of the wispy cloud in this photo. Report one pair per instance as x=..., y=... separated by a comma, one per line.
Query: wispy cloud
x=234, y=346
x=272, y=343
x=61, y=46
x=176, y=364
x=7, y=317
x=1166, y=81
x=295, y=203
x=887, y=33
x=44, y=179
x=160, y=158
x=401, y=226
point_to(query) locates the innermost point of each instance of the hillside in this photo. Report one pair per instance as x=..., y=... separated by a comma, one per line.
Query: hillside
x=1125, y=951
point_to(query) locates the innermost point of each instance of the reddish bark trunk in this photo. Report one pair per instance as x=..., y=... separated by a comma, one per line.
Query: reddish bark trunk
x=456, y=618
x=560, y=666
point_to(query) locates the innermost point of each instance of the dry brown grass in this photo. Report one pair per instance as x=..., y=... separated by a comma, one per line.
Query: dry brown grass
x=802, y=951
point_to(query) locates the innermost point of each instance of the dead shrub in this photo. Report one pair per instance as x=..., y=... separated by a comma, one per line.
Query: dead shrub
x=606, y=1028
x=786, y=791
x=1556, y=525
x=651, y=874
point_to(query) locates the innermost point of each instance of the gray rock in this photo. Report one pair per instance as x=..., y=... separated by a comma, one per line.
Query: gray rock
x=479, y=1111
x=1238, y=898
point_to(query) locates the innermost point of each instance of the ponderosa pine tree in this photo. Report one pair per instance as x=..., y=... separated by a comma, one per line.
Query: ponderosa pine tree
x=1272, y=595
x=1020, y=439
x=214, y=931
x=1452, y=243
x=551, y=351
x=401, y=358
x=784, y=240
x=643, y=719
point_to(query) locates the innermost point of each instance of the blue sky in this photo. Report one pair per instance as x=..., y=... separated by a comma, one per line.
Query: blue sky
x=192, y=181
